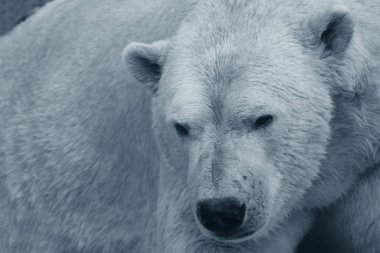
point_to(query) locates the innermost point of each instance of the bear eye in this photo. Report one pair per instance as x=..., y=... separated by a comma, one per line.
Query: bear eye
x=182, y=129
x=263, y=121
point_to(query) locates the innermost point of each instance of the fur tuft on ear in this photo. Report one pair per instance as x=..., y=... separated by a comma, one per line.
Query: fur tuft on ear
x=145, y=61
x=333, y=31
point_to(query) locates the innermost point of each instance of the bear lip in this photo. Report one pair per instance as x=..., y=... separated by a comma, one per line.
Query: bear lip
x=235, y=236
x=230, y=237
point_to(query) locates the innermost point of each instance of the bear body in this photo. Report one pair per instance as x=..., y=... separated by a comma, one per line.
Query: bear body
x=78, y=180
x=351, y=224
x=266, y=107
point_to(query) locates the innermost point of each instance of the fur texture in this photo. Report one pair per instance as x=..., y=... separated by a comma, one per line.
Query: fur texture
x=314, y=68
x=77, y=157
x=79, y=165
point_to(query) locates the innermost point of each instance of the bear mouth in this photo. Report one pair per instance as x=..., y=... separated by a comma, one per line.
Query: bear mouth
x=237, y=236
x=230, y=237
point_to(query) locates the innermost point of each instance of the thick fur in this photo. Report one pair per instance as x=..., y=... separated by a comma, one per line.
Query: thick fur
x=78, y=161
x=350, y=225
x=319, y=63
x=77, y=157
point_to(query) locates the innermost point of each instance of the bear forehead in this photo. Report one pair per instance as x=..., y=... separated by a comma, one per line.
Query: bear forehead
x=239, y=50
x=264, y=66
x=228, y=77
x=224, y=41
x=238, y=89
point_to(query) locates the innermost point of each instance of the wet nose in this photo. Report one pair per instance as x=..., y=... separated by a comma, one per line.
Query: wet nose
x=221, y=215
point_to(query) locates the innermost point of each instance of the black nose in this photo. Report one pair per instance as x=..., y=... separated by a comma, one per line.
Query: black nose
x=221, y=215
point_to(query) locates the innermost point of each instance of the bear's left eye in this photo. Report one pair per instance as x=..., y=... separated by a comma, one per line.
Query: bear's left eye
x=182, y=129
x=263, y=121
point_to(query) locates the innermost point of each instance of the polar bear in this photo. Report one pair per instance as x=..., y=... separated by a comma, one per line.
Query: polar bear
x=264, y=116
x=267, y=119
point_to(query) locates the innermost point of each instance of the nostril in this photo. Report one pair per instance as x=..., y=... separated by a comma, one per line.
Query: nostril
x=221, y=215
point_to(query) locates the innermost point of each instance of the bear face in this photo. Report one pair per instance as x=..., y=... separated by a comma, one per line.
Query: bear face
x=244, y=132
x=242, y=109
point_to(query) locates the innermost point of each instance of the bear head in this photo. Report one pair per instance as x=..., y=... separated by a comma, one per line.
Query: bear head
x=244, y=110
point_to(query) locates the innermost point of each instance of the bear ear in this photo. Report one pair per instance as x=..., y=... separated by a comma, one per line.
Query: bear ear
x=332, y=31
x=145, y=61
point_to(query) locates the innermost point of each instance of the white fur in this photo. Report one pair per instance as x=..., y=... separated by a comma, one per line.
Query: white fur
x=79, y=167
x=243, y=64
x=78, y=163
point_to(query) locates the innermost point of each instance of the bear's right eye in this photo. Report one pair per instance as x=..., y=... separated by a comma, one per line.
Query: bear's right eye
x=182, y=129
